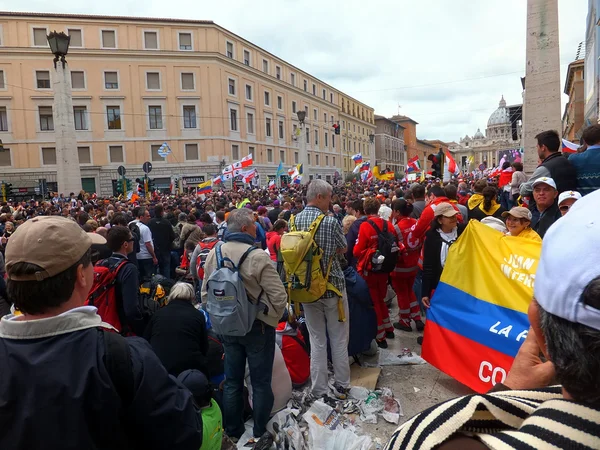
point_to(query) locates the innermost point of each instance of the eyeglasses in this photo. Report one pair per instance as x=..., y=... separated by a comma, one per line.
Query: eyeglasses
x=564, y=208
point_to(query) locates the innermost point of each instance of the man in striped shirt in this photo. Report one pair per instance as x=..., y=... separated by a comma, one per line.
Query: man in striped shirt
x=524, y=413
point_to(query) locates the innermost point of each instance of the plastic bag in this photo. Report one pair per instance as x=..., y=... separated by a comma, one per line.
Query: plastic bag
x=359, y=392
x=387, y=358
x=391, y=407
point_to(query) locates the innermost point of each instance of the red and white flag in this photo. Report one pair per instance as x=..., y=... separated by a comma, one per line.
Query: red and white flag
x=247, y=161
x=569, y=147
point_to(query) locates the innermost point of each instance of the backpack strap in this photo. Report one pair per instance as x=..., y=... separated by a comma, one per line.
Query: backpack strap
x=245, y=255
x=292, y=223
x=117, y=360
x=375, y=227
x=220, y=260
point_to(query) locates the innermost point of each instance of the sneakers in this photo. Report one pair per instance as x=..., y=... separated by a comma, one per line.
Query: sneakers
x=382, y=344
x=420, y=325
x=403, y=326
x=390, y=334
x=339, y=392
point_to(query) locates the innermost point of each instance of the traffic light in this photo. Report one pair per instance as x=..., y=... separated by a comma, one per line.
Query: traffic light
x=119, y=187
x=7, y=191
x=128, y=184
x=151, y=185
x=336, y=127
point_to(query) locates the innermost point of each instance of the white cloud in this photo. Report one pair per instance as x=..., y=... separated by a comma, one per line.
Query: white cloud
x=382, y=51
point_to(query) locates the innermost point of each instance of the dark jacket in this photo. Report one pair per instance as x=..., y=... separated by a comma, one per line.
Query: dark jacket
x=541, y=222
x=273, y=215
x=178, y=336
x=57, y=392
x=561, y=171
x=363, y=321
x=351, y=238
x=162, y=234
x=432, y=264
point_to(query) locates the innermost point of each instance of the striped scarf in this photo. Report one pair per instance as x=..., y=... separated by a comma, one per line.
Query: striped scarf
x=528, y=419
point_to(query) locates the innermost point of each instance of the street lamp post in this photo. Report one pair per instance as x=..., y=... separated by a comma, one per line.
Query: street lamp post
x=68, y=174
x=372, y=155
x=303, y=157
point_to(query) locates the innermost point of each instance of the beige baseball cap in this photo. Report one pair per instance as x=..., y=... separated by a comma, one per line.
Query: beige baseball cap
x=51, y=242
x=445, y=209
x=518, y=212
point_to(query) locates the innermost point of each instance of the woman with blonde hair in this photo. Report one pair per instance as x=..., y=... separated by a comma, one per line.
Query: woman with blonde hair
x=347, y=222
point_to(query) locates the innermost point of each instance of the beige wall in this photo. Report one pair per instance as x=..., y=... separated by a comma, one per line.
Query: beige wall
x=212, y=69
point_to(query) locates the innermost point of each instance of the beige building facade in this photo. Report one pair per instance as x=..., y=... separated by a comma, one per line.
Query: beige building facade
x=137, y=83
x=389, y=145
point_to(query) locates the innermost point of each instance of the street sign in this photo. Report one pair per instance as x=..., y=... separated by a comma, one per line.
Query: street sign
x=147, y=167
x=121, y=170
x=482, y=167
x=164, y=150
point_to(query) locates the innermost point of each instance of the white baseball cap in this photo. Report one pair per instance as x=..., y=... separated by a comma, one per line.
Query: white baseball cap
x=545, y=180
x=568, y=194
x=569, y=262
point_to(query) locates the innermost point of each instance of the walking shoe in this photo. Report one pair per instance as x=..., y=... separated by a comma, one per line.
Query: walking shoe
x=420, y=325
x=390, y=334
x=402, y=326
x=382, y=344
x=339, y=392
x=420, y=340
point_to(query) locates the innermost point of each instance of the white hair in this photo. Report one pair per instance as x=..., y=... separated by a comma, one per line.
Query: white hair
x=317, y=187
x=238, y=218
x=182, y=291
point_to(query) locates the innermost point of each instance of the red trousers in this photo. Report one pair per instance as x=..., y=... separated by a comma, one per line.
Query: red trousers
x=377, y=283
x=407, y=301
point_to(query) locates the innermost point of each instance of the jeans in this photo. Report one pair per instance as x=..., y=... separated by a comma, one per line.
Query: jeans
x=258, y=347
x=147, y=269
x=322, y=319
x=164, y=264
x=417, y=288
x=506, y=200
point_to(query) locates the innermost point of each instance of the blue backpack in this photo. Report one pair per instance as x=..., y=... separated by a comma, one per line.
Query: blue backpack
x=231, y=311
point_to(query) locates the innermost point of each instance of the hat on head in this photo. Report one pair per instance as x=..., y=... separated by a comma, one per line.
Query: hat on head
x=544, y=180
x=567, y=195
x=276, y=203
x=51, y=242
x=445, y=209
x=195, y=381
x=261, y=209
x=569, y=262
x=519, y=212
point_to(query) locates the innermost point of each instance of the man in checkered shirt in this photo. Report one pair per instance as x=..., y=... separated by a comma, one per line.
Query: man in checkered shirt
x=322, y=316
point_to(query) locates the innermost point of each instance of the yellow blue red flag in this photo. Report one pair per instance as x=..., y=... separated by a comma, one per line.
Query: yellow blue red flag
x=204, y=188
x=478, y=315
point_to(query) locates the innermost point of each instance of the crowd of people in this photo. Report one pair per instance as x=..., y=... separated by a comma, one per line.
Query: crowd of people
x=108, y=329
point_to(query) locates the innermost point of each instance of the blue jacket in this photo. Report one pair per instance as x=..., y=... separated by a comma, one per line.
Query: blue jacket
x=363, y=322
x=587, y=166
x=351, y=238
x=56, y=392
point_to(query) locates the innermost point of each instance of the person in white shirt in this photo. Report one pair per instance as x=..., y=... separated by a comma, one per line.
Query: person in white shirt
x=146, y=257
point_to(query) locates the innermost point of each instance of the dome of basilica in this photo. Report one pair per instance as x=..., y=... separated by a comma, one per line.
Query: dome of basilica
x=500, y=116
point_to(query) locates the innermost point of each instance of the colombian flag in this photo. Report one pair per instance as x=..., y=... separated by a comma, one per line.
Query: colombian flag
x=478, y=315
x=204, y=188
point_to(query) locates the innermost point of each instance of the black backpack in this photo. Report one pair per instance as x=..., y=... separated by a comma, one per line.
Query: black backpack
x=136, y=235
x=387, y=246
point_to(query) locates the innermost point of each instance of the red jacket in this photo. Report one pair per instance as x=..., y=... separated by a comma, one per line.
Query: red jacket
x=273, y=244
x=294, y=351
x=408, y=260
x=366, y=243
x=416, y=236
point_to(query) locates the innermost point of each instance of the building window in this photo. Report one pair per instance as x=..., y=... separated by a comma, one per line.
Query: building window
x=293, y=79
x=294, y=131
x=295, y=157
x=48, y=156
x=294, y=107
x=326, y=160
x=235, y=152
x=77, y=80
x=306, y=111
x=268, y=126
x=281, y=129
x=279, y=102
x=324, y=94
x=153, y=81
x=40, y=37
x=43, y=79
x=154, y=156
x=231, y=84
x=307, y=136
x=326, y=139
x=233, y=125
x=325, y=118
x=150, y=40
x=250, y=123
x=46, y=118
x=317, y=159
x=111, y=80
x=333, y=161
x=3, y=119
x=281, y=156
x=309, y=158
x=247, y=57
x=185, y=41
x=331, y=100
x=84, y=155
x=332, y=140
x=187, y=82
x=155, y=113
x=278, y=72
x=315, y=113
x=249, y=92
x=305, y=85
x=191, y=152
x=267, y=99
x=113, y=117
x=76, y=40
x=270, y=155
x=189, y=116
x=229, y=49
x=115, y=154
x=314, y=89
x=80, y=114
x=265, y=66
x=316, y=137
x=109, y=39
x=2, y=84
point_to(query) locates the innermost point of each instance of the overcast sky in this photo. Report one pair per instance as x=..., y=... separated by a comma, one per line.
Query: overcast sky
x=446, y=62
